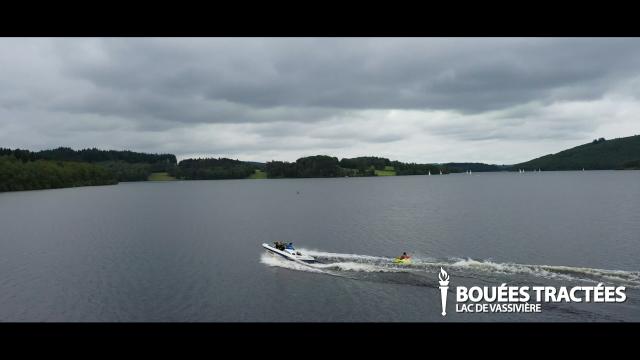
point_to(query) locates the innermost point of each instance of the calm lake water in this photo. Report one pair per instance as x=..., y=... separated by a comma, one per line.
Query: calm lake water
x=190, y=250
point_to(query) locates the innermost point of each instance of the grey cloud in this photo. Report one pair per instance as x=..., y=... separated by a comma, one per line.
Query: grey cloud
x=524, y=123
x=476, y=76
x=307, y=93
x=152, y=110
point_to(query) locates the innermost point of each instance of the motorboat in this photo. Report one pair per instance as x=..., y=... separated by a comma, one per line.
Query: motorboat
x=289, y=252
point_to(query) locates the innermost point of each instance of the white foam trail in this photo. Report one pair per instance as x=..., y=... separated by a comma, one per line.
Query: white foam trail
x=278, y=261
x=334, y=263
x=506, y=268
x=365, y=264
x=359, y=267
x=323, y=254
x=552, y=271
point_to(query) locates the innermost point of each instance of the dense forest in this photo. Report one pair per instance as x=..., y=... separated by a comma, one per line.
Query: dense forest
x=123, y=165
x=213, y=169
x=326, y=166
x=418, y=169
x=311, y=166
x=18, y=174
x=365, y=163
x=90, y=155
x=65, y=167
x=600, y=154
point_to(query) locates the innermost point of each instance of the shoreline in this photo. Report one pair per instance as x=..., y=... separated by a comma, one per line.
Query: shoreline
x=302, y=178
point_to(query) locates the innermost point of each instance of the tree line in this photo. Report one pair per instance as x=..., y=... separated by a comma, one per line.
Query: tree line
x=92, y=155
x=418, y=169
x=124, y=165
x=64, y=167
x=212, y=169
x=17, y=174
x=365, y=163
x=475, y=167
x=306, y=167
x=327, y=166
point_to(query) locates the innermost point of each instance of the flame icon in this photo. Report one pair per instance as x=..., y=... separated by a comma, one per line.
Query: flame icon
x=443, y=276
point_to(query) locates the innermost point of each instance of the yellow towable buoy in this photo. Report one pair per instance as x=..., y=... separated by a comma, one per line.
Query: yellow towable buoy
x=401, y=261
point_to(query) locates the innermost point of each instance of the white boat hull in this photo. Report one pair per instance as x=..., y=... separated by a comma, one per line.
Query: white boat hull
x=294, y=255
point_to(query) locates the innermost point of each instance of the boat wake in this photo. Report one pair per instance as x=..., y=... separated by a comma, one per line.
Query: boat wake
x=421, y=270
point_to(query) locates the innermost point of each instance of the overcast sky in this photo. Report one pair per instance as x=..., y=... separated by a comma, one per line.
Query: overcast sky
x=427, y=100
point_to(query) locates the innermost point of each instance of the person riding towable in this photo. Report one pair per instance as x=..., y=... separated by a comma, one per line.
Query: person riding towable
x=402, y=259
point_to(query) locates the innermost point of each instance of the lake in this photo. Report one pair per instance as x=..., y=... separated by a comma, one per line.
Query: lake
x=190, y=250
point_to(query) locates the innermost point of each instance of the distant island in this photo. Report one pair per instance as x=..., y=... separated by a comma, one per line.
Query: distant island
x=65, y=167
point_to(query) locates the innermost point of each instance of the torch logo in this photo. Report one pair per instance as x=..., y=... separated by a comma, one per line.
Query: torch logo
x=444, y=286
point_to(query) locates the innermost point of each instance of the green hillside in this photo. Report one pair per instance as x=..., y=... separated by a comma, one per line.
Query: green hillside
x=601, y=154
